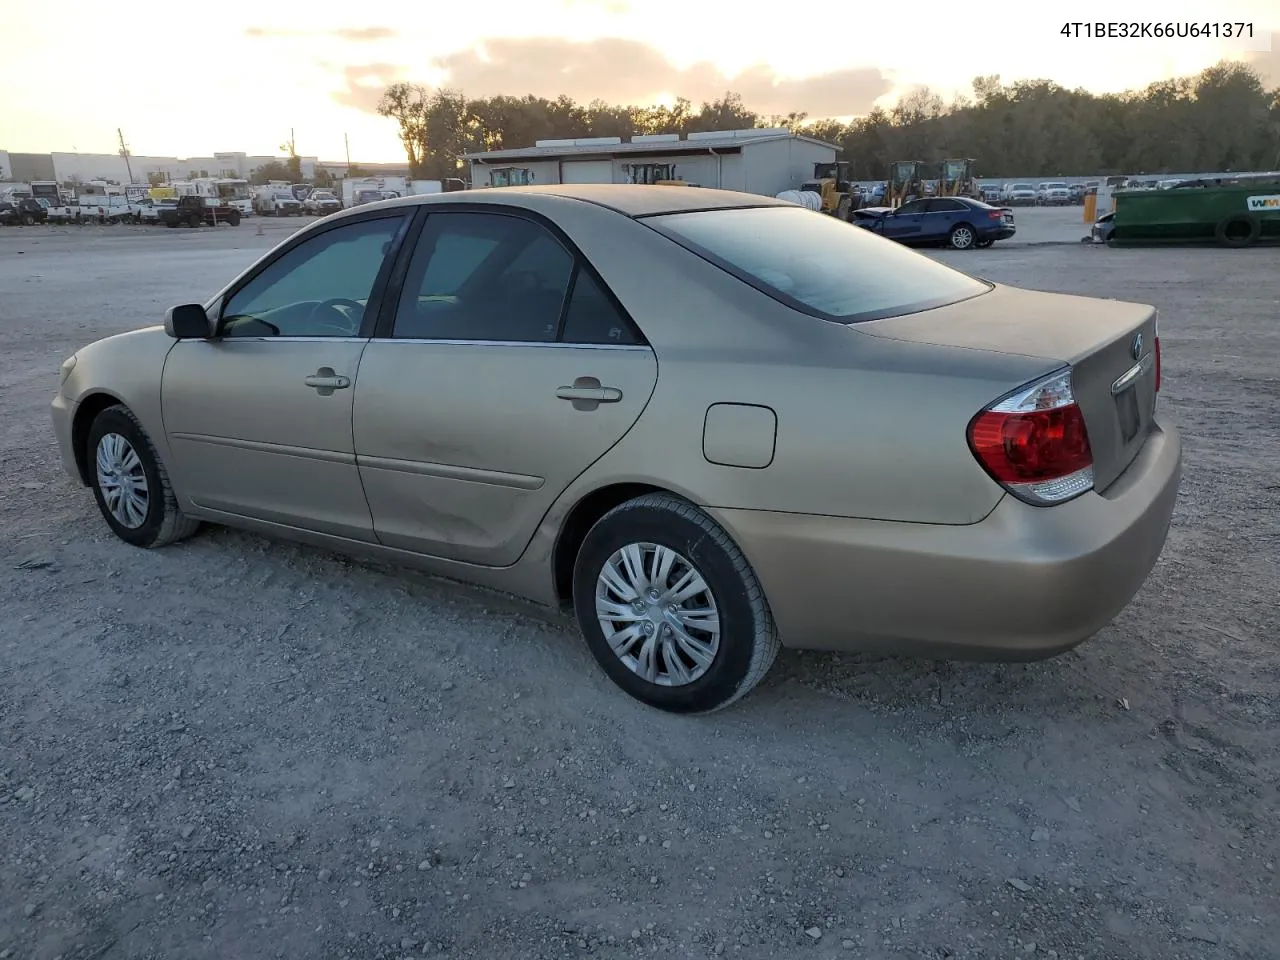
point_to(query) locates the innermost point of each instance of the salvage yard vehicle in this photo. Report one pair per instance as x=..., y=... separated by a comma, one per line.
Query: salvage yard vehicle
x=956, y=221
x=853, y=447
x=1053, y=194
x=149, y=209
x=321, y=203
x=192, y=211
x=1020, y=194
x=24, y=211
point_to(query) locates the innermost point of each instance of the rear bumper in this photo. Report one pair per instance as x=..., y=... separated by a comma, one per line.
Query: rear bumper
x=1003, y=232
x=1023, y=584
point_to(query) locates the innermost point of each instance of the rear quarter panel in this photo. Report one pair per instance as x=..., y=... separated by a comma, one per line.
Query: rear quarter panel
x=866, y=427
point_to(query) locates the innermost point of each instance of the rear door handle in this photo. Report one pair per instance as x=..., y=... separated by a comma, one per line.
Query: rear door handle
x=587, y=393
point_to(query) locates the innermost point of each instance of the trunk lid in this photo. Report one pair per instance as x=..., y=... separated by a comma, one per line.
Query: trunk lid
x=1108, y=343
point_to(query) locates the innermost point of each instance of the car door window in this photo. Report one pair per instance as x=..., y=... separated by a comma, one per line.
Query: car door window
x=946, y=206
x=320, y=288
x=484, y=277
x=912, y=206
x=592, y=317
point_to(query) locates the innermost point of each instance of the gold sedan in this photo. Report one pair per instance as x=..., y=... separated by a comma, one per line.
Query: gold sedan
x=711, y=423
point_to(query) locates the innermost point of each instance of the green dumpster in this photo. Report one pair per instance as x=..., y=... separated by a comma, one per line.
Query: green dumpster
x=1232, y=215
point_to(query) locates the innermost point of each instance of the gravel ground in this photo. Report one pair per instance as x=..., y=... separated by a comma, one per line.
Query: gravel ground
x=240, y=748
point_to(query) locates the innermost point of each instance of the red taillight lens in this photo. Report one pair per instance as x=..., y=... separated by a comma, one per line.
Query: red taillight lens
x=1035, y=443
x=994, y=215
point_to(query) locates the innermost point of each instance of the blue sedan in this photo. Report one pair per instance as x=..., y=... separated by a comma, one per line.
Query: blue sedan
x=955, y=221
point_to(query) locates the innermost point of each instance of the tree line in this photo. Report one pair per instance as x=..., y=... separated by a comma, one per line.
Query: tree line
x=1224, y=118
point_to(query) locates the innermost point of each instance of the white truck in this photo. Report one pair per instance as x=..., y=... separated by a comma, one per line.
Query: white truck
x=276, y=200
x=358, y=190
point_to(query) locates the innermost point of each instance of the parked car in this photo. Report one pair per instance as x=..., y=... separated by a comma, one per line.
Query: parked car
x=1103, y=228
x=1020, y=194
x=852, y=446
x=25, y=211
x=956, y=221
x=1077, y=191
x=149, y=210
x=993, y=193
x=321, y=203
x=1053, y=194
x=192, y=211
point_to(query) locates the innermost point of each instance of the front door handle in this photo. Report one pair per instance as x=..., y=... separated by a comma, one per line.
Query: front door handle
x=324, y=381
x=587, y=393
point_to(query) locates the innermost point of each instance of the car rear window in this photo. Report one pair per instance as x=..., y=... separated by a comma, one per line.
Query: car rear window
x=818, y=264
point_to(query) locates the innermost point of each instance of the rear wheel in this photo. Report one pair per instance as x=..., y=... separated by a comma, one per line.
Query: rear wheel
x=194, y=220
x=130, y=483
x=962, y=236
x=670, y=607
x=233, y=218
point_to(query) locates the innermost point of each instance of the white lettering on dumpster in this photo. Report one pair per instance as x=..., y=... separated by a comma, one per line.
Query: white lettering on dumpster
x=1264, y=203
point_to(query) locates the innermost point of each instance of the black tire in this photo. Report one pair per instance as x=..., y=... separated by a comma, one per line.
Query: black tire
x=194, y=220
x=164, y=523
x=962, y=237
x=233, y=218
x=1238, y=231
x=748, y=638
x=28, y=220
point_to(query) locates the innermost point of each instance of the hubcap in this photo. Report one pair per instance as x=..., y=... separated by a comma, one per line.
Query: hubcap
x=122, y=481
x=962, y=238
x=658, y=614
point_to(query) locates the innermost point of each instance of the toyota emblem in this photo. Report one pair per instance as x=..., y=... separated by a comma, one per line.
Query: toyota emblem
x=1136, y=348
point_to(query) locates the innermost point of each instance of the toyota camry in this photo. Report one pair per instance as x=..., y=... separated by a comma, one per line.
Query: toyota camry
x=710, y=424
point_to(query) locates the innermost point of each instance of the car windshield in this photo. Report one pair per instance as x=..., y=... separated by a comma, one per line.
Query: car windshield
x=818, y=264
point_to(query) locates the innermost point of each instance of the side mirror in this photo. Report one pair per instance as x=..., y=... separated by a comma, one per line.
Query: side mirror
x=187, y=321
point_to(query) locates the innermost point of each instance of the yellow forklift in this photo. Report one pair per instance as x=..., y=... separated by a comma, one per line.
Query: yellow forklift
x=906, y=181
x=831, y=183
x=956, y=179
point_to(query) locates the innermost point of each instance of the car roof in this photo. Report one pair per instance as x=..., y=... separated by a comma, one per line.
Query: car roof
x=632, y=200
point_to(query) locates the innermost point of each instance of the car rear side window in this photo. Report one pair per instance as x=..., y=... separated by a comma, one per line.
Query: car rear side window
x=591, y=317
x=818, y=264
x=484, y=277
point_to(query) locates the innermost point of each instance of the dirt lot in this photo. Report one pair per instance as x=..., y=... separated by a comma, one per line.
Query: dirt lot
x=234, y=748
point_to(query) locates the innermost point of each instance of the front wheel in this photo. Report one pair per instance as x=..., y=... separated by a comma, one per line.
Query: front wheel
x=194, y=220
x=130, y=483
x=670, y=608
x=233, y=218
x=962, y=236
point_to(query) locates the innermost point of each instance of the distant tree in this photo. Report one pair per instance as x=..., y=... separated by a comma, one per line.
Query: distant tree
x=1223, y=118
x=271, y=170
x=407, y=104
x=322, y=178
x=294, y=163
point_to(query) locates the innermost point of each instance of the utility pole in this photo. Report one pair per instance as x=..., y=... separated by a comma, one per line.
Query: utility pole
x=124, y=152
x=347, y=143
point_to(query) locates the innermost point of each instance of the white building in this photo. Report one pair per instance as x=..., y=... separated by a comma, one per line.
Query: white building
x=765, y=161
x=111, y=167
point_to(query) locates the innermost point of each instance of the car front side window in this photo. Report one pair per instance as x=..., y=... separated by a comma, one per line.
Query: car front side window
x=319, y=288
x=484, y=277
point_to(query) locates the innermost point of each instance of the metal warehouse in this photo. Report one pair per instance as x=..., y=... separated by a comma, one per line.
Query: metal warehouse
x=764, y=161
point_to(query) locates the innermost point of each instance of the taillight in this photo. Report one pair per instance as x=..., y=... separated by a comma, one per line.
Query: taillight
x=1034, y=442
x=994, y=215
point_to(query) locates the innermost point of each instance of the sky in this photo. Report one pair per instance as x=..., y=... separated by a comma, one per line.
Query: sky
x=259, y=70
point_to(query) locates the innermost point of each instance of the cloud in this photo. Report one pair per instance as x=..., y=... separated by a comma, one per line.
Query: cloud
x=349, y=34
x=1267, y=64
x=364, y=34
x=627, y=71
x=363, y=84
